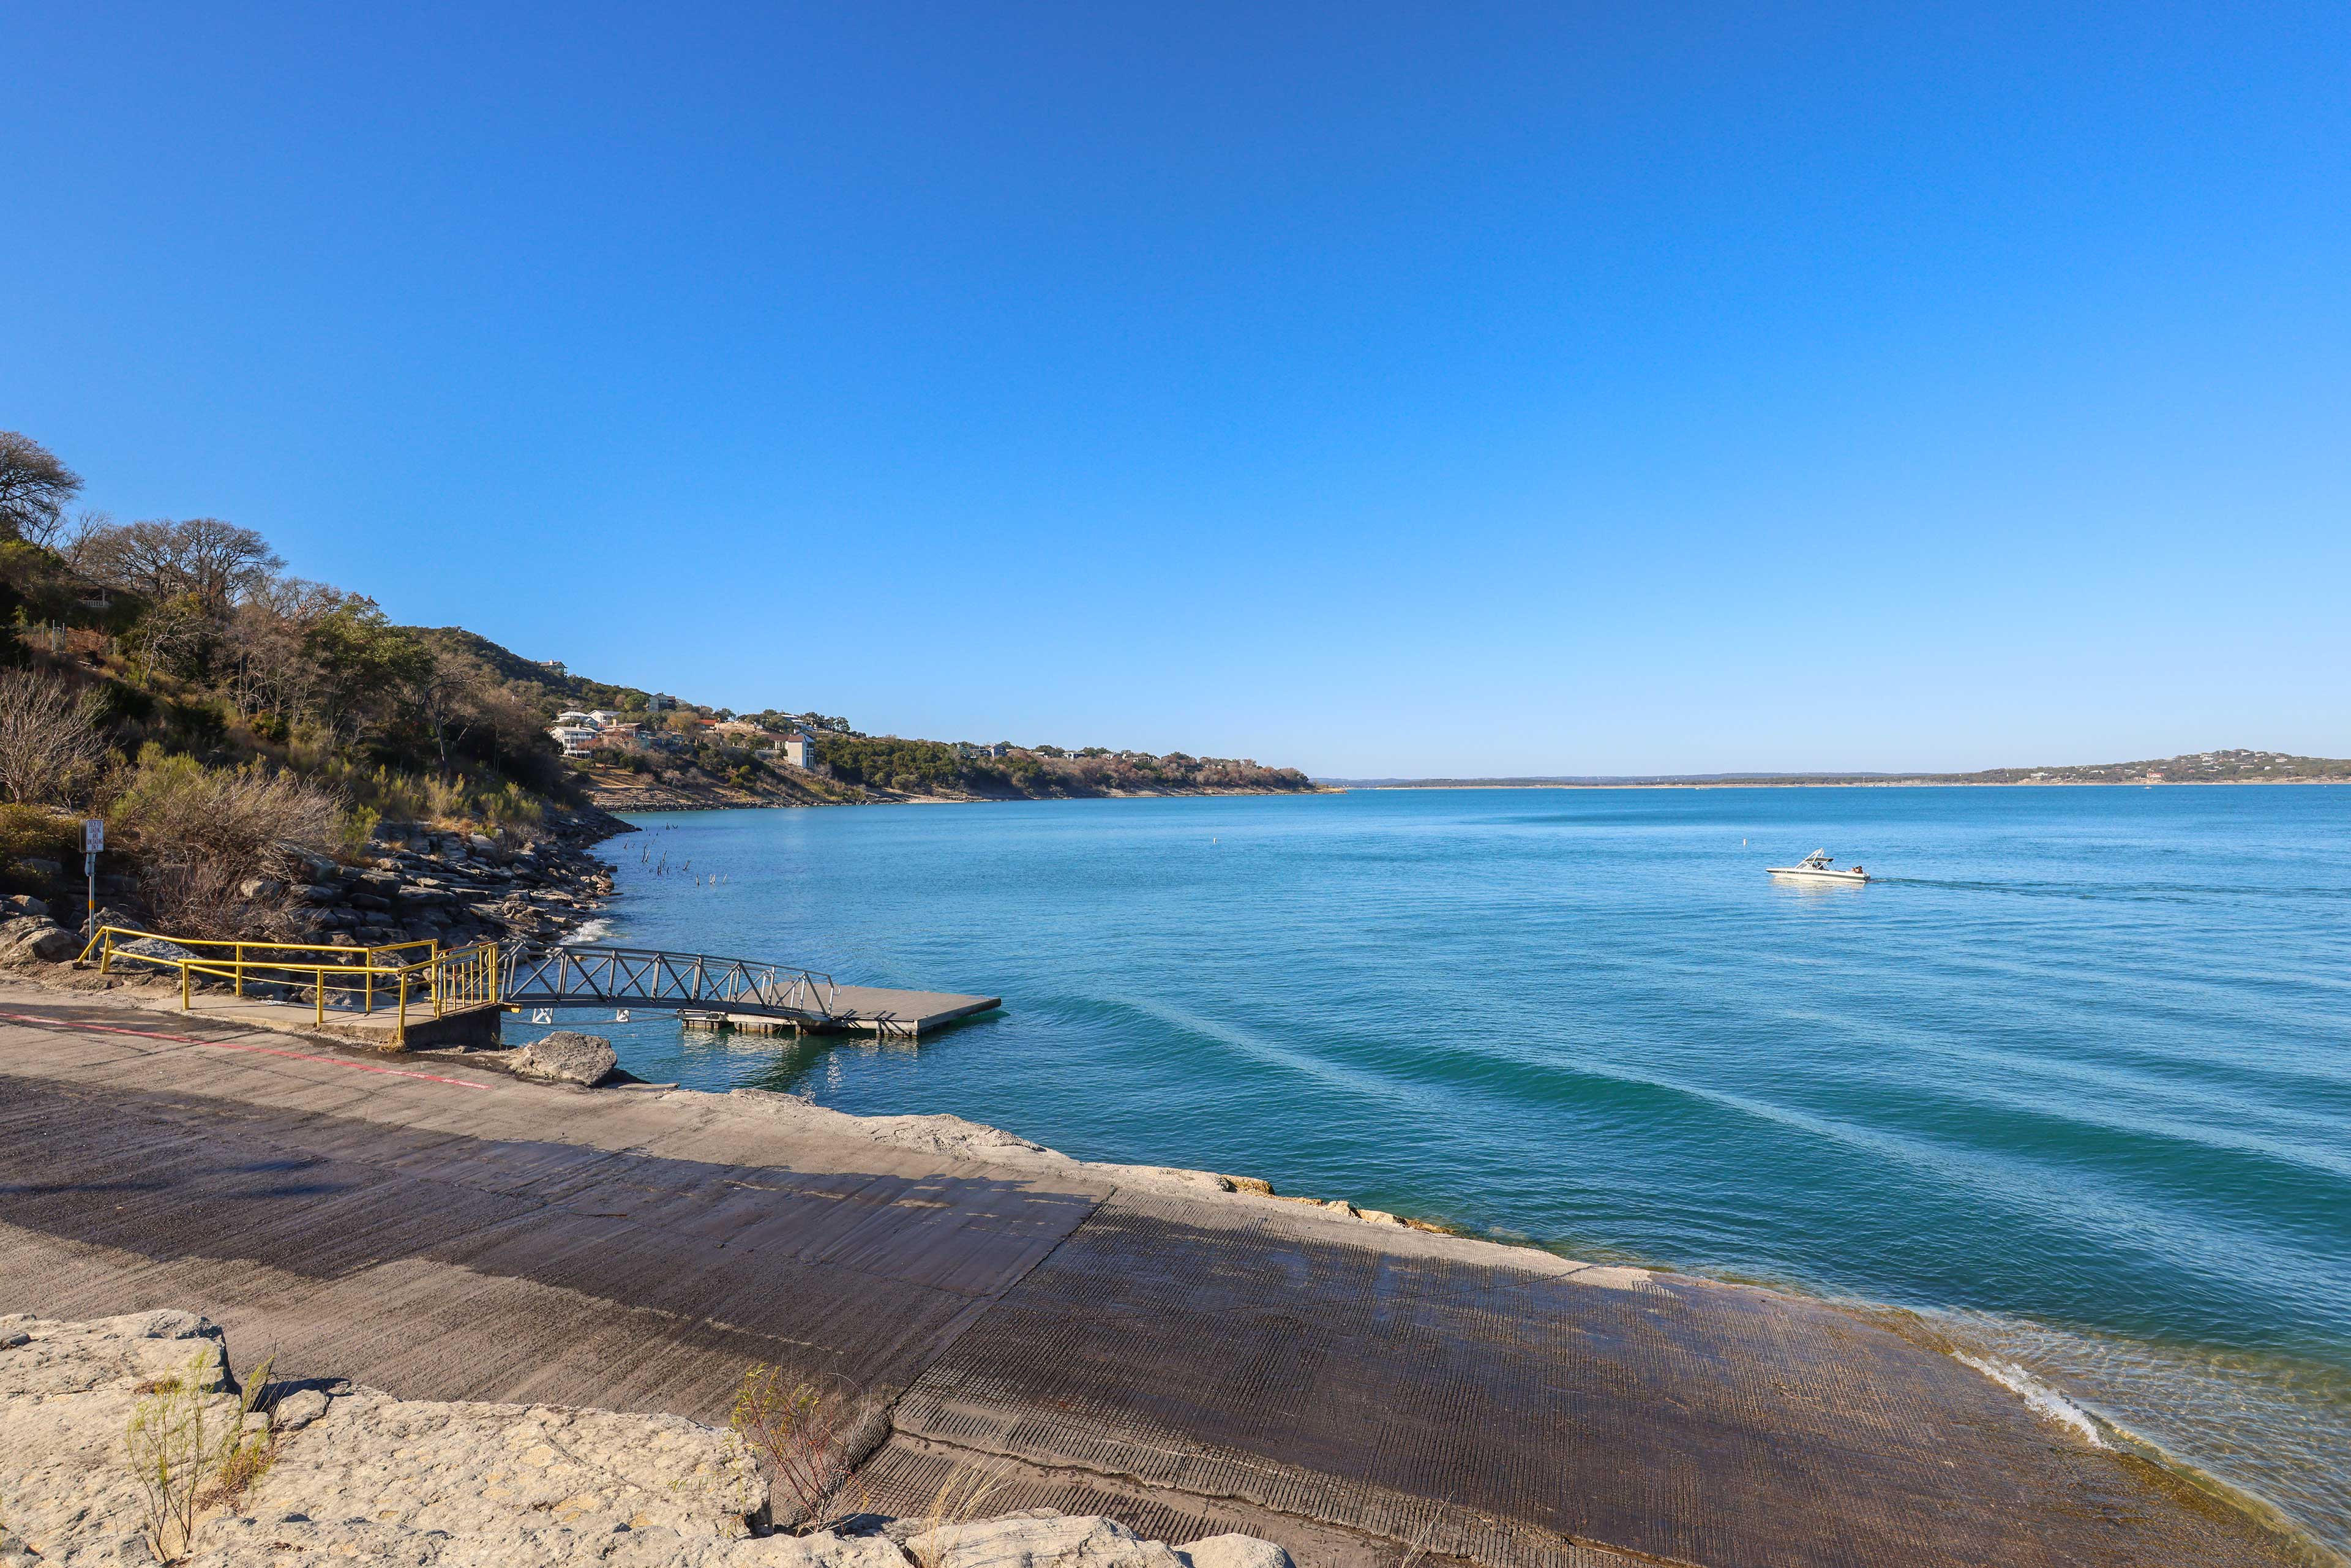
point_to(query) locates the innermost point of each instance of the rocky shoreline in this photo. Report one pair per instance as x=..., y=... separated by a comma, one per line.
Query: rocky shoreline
x=415, y=883
x=326, y=1469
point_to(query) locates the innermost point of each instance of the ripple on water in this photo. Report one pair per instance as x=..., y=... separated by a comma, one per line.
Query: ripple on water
x=2081, y=1059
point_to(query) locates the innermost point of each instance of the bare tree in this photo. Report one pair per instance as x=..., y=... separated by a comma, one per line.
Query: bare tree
x=446, y=690
x=33, y=487
x=174, y=637
x=271, y=664
x=215, y=561
x=50, y=736
x=67, y=538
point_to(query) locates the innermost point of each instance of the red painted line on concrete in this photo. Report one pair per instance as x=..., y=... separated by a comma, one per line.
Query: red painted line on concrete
x=231, y=1045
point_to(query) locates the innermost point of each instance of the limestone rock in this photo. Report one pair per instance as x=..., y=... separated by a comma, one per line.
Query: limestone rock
x=371, y=1479
x=565, y=1057
x=823, y=1550
x=1234, y=1552
x=23, y=903
x=296, y=1410
x=1041, y=1538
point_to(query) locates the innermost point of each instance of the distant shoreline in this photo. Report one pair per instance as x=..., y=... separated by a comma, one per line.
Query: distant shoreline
x=731, y=799
x=1862, y=784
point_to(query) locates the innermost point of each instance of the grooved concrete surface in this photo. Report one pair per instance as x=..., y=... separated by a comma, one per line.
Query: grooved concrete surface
x=444, y=1232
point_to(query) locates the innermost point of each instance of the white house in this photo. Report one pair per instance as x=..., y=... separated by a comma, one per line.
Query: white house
x=798, y=750
x=576, y=739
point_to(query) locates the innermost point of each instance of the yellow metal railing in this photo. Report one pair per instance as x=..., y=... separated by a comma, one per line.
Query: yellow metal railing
x=367, y=976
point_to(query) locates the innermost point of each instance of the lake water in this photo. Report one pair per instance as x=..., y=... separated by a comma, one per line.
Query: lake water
x=2076, y=1077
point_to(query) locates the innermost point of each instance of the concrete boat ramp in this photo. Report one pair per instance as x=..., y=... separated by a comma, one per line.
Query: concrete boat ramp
x=1099, y=1338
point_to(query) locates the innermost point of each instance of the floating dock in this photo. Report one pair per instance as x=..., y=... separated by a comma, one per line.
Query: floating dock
x=872, y=1009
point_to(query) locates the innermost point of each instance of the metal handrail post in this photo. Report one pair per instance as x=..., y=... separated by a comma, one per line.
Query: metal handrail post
x=240, y=971
x=184, y=985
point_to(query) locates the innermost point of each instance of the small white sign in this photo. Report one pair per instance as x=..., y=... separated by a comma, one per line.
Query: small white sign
x=93, y=835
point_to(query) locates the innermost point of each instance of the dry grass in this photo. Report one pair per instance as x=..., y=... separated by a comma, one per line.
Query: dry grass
x=958, y=1502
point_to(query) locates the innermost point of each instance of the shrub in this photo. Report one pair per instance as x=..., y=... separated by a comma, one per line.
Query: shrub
x=203, y=832
x=33, y=833
x=800, y=1434
x=189, y=1444
x=50, y=741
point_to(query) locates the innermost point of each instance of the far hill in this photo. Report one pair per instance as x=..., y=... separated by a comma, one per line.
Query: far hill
x=2239, y=767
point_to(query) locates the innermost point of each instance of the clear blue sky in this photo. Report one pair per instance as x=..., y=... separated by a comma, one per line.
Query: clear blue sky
x=1382, y=389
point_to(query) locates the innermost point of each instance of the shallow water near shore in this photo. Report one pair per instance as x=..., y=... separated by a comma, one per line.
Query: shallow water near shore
x=2075, y=1078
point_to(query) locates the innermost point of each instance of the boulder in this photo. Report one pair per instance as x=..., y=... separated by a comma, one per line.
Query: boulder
x=1234, y=1552
x=566, y=1057
x=54, y=945
x=37, y=937
x=24, y=904
x=1039, y=1538
x=153, y=947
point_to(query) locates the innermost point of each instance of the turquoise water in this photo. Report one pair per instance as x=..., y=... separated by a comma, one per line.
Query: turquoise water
x=2075, y=1076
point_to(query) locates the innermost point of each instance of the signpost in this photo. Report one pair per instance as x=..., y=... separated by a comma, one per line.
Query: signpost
x=93, y=840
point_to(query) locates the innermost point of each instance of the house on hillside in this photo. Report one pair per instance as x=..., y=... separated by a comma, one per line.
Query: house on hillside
x=574, y=739
x=621, y=737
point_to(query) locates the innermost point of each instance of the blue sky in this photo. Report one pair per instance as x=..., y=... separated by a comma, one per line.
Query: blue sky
x=1379, y=389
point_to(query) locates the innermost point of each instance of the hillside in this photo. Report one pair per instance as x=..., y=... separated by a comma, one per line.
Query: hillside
x=2237, y=766
x=693, y=765
x=161, y=640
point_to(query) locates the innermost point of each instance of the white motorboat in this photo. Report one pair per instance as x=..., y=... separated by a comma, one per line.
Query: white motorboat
x=1815, y=867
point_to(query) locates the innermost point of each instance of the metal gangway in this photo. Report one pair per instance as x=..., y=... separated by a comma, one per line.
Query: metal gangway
x=624, y=977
